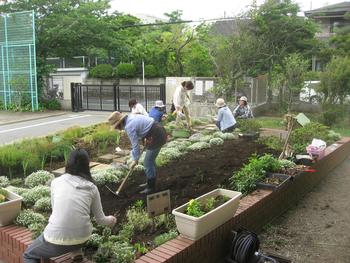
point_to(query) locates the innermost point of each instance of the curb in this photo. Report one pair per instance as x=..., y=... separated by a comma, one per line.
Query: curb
x=33, y=118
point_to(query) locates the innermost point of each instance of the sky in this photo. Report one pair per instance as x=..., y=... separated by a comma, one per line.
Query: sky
x=200, y=9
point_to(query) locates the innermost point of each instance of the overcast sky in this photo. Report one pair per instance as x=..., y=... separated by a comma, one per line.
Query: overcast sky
x=199, y=9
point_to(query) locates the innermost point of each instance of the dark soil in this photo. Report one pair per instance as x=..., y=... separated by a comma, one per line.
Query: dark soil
x=195, y=174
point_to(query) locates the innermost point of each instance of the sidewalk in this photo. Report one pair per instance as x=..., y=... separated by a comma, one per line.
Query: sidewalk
x=7, y=117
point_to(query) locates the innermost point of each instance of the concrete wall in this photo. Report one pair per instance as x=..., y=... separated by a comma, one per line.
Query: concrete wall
x=133, y=81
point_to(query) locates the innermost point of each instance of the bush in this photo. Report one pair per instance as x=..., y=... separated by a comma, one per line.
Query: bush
x=249, y=125
x=300, y=138
x=180, y=133
x=197, y=146
x=103, y=134
x=43, y=204
x=225, y=136
x=29, y=217
x=151, y=71
x=39, y=178
x=272, y=142
x=95, y=240
x=182, y=146
x=107, y=176
x=102, y=71
x=126, y=70
x=168, y=154
x=118, y=252
x=52, y=104
x=206, y=138
x=18, y=190
x=216, y=141
x=4, y=181
x=138, y=218
x=161, y=239
x=34, y=194
x=246, y=178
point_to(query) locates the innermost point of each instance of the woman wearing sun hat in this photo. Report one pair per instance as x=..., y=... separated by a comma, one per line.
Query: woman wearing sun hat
x=138, y=127
x=157, y=111
x=225, y=120
x=243, y=111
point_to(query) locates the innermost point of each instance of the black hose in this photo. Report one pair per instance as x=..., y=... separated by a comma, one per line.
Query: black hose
x=244, y=246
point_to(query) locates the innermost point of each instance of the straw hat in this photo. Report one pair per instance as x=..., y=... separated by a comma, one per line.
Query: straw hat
x=159, y=103
x=115, y=119
x=220, y=102
x=244, y=98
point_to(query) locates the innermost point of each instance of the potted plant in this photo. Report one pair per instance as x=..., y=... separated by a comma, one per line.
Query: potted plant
x=200, y=216
x=10, y=206
x=249, y=128
x=273, y=181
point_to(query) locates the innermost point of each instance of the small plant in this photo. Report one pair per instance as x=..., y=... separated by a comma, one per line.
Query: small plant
x=3, y=195
x=206, y=138
x=108, y=175
x=272, y=142
x=34, y=194
x=36, y=229
x=194, y=208
x=4, y=181
x=29, y=217
x=224, y=136
x=180, y=133
x=138, y=218
x=43, y=204
x=17, y=182
x=197, y=146
x=168, y=154
x=141, y=249
x=286, y=164
x=216, y=142
x=179, y=145
x=39, y=178
x=209, y=204
x=249, y=125
x=118, y=252
x=163, y=238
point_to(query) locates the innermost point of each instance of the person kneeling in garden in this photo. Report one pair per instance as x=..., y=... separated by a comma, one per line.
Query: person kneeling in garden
x=73, y=197
x=158, y=110
x=243, y=110
x=152, y=134
x=225, y=120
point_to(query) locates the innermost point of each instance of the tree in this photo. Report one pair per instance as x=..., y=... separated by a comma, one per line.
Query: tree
x=335, y=80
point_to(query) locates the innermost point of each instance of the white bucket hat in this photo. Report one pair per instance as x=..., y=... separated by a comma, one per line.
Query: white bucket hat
x=220, y=102
x=244, y=98
x=159, y=103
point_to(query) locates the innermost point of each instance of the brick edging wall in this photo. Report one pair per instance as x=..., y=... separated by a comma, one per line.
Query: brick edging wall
x=255, y=211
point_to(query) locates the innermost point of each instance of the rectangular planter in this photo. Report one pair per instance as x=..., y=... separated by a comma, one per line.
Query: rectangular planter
x=285, y=178
x=196, y=227
x=10, y=209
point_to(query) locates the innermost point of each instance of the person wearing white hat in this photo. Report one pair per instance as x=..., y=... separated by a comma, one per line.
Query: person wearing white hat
x=243, y=111
x=157, y=111
x=138, y=126
x=225, y=120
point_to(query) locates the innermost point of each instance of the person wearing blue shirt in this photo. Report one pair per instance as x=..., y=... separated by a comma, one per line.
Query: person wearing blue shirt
x=157, y=111
x=137, y=127
x=225, y=120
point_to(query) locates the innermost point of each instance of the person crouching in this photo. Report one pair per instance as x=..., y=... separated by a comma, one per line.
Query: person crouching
x=225, y=120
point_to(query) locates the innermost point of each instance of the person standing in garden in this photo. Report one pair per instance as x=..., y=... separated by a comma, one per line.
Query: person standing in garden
x=225, y=120
x=243, y=110
x=74, y=197
x=157, y=111
x=137, y=108
x=181, y=100
x=152, y=134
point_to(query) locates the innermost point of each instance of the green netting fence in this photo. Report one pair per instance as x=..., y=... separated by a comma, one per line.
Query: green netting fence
x=18, y=82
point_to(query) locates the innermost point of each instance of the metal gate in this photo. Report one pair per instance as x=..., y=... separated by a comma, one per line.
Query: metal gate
x=114, y=97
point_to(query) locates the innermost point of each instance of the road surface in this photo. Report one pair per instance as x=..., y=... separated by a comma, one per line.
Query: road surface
x=37, y=128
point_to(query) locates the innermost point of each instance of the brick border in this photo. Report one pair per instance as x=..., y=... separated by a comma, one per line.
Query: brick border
x=255, y=210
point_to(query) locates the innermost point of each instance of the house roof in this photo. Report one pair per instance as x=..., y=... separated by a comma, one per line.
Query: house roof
x=339, y=8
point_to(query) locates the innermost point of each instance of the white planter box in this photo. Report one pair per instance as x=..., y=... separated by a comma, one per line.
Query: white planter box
x=196, y=227
x=10, y=209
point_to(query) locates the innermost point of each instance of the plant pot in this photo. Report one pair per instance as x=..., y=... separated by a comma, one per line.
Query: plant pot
x=10, y=209
x=250, y=136
x=196, y=227
x=282, y=177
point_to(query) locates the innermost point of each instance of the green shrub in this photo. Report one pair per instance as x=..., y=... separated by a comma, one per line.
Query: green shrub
x=194, y=208
x=95, y=240
x=37, y=229
x=272, y=142
x=197, y=146
x=107, y=176
x=138, y=218
x=102, y=71
x=52, y=104
x=126, y=70
x=43, y=204
x=216, y=141
x=29, y=217
x=168, y=154
x=249, y=125
x=302, y=137
x=3, y=195
x=151, y=71
x=34, y=194
x=225, y=136
x=39, y=178
x=4, y=181
x=286, y=164
x=182, y=146
x=180, y=133
x=118, y=252
x=206, y=138
x=163, y=238
x=255, y=170
x=103, y=134
x=333, y=136
x=18, y=190
x=72, y=134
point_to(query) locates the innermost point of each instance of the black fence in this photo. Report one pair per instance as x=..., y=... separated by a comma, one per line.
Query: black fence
x=114, y=97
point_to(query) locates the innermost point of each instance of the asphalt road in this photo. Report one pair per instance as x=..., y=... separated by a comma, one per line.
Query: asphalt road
x=37, y=128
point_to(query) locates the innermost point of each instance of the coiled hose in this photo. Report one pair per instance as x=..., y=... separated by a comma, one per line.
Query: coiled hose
x=244, y=246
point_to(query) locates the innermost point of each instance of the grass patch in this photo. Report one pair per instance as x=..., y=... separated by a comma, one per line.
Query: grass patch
x=271, y=122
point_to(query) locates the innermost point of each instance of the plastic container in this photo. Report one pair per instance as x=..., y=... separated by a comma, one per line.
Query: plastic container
x=9, y=210
x=196, y=227
x=316, y=152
